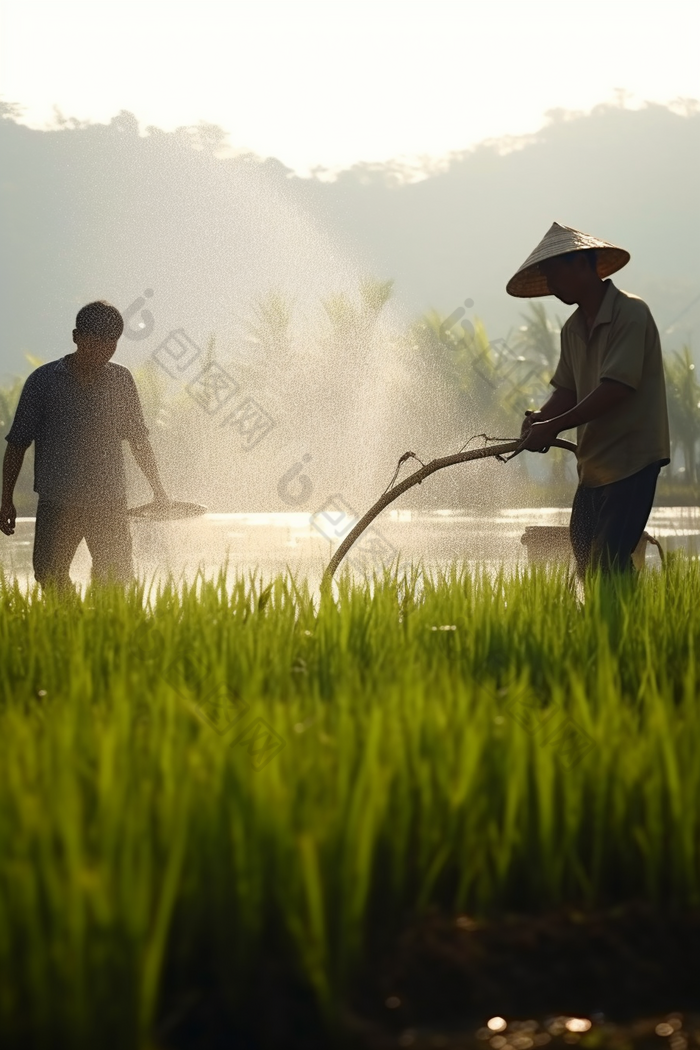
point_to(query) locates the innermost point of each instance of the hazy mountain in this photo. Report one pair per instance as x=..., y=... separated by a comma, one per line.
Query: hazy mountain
x=628, y=176
x=101, y=211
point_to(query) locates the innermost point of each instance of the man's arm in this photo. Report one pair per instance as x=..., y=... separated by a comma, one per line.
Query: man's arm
x=20, y=436
x=146, y=460
x=561, y=400
x=136, y=434
x=606, y=396
x=12, y=464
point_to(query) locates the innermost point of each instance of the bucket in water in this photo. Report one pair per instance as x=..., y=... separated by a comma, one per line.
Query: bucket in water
x=551, y=543
x=547, y=543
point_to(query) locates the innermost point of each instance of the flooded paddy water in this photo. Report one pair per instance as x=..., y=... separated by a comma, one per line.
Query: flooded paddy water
x=304, y=543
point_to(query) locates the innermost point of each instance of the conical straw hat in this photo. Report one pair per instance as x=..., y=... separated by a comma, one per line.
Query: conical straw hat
x=529, y=281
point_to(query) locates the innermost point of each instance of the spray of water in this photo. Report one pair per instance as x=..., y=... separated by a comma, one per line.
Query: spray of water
x=277, y=376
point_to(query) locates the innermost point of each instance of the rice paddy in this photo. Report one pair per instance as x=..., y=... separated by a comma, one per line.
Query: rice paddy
x=201, y=785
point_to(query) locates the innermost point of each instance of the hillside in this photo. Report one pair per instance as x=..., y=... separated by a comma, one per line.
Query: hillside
x=101, y=211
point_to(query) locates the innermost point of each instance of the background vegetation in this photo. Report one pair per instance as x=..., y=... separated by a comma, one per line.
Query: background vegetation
x=480, y=385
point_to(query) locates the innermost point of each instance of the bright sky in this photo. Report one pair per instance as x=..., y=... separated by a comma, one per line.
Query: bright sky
x=333, y=82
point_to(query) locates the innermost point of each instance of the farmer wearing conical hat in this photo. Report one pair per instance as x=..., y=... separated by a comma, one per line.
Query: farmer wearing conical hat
x=609, y=383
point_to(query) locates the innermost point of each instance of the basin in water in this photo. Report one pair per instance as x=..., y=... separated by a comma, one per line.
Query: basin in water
x=551, y=543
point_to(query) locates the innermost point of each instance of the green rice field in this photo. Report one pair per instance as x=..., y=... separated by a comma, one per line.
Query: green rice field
x=206, y=787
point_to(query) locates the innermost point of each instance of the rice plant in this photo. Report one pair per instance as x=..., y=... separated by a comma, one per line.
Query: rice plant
x=197, y=779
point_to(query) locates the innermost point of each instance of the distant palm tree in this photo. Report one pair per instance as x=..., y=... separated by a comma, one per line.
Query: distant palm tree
x=261, y=362
x=683, y=398
x=469, y=364
x=353, y=323
x=499, y=379
x=537, y=341
x=9, y=396
x=538, y=338
x=272, y=324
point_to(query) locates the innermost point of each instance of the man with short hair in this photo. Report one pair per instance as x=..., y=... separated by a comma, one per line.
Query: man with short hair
x=78, y=410
x=609, y=383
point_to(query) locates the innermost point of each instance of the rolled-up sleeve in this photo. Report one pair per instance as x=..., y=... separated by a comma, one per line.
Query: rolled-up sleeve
x=26, y=422
x=623, y=358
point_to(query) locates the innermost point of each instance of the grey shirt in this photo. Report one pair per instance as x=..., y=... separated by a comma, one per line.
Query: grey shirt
x=78, y=432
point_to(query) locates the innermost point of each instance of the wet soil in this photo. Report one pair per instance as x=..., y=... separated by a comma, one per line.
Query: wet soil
x=627, y=969
x=626, y=978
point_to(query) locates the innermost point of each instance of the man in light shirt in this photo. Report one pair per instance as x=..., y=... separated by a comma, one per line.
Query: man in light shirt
x=609, y=384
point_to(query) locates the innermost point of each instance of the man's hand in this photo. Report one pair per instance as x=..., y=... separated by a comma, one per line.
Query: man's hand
x=8, y=516
x=11, y=466
x=561, y=401
x=540, y=436
x=530, y=418
x=161, y=498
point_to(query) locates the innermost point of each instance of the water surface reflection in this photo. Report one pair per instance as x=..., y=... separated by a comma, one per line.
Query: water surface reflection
x=271, y=543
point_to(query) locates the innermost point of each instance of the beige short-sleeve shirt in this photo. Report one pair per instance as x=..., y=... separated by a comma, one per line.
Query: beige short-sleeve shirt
x=623, y=345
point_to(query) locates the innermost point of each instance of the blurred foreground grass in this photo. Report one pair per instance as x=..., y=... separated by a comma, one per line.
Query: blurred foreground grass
x=199, y=780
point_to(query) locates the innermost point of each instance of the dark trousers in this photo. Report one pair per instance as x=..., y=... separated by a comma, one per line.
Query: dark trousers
x=607, y=522
x=59, y=530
